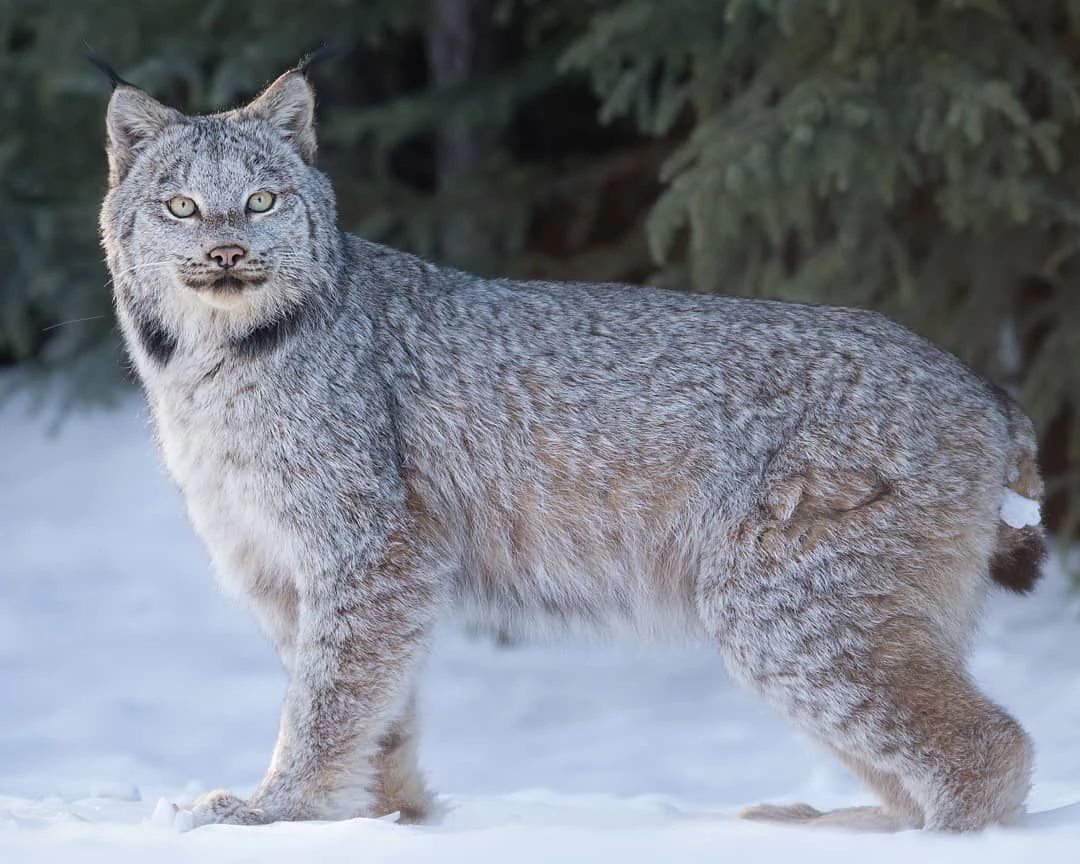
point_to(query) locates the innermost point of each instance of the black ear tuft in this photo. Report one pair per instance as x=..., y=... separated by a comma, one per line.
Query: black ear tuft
x=322, y=54
x=106, y=67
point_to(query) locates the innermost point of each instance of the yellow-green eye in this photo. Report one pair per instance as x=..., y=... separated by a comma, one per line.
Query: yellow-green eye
x=181, y=206
x=260, y=202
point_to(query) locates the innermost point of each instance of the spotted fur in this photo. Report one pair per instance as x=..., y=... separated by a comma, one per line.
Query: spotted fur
x=365, y=439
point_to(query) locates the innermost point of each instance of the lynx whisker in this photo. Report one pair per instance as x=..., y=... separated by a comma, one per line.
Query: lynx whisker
x=72, y=321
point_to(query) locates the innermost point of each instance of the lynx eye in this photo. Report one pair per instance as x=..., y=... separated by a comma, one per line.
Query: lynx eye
x=260, y=202
x=181, y=206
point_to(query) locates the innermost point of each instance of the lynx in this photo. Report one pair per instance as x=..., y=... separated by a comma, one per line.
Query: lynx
x=366, y=440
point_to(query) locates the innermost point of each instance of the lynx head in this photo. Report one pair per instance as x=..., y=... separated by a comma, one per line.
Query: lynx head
x=215, y=225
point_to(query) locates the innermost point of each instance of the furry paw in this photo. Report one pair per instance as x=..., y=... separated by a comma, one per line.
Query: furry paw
x=780, y=813
x=869, y=819
x=223, y=808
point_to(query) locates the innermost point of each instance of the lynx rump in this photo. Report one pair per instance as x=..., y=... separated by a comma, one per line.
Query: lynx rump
x=365, y=440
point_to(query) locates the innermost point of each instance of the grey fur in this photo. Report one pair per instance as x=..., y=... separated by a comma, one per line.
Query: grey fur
x=365, y=439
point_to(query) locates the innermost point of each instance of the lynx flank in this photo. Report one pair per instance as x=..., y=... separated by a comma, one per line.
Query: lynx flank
x=365, y=440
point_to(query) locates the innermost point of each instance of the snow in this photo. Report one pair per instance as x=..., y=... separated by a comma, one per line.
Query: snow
x=128, y=682
x=1018, y=511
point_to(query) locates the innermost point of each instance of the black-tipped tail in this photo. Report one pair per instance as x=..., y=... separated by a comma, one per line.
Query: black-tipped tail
x=1017, y=563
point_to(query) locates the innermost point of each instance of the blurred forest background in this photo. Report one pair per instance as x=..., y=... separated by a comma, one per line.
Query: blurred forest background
x=921, y=157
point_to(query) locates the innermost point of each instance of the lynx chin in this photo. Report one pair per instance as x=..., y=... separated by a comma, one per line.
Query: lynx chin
x=366, y=440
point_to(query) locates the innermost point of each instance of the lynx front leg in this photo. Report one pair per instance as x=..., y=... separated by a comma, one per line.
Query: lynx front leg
x=358, y=645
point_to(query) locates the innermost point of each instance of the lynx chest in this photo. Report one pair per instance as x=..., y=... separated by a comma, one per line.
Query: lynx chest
x=229, y=452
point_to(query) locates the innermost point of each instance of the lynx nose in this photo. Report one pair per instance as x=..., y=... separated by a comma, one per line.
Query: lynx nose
x=227, y=256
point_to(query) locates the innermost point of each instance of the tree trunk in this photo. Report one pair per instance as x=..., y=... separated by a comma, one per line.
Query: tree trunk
x=458, y=45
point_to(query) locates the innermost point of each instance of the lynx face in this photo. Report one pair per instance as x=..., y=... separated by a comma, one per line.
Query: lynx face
x=196, y=221
x=216, y=222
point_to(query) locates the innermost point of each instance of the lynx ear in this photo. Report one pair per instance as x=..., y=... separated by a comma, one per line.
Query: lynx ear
x=289, y=105
x=132, y=119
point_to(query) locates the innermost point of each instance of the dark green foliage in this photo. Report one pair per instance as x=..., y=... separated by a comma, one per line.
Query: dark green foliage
x=917, y=156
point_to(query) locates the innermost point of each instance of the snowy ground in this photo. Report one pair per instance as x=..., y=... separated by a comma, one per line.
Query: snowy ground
x=126, y=677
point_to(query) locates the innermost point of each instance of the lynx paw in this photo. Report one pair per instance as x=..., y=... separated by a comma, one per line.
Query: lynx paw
x=869, y=819
x=780, y=813
x=222, y=808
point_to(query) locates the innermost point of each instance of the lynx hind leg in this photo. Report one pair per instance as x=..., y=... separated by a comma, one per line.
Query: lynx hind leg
x=939, y=754
x=399, y=785
x=963, y=759
x=851, y=649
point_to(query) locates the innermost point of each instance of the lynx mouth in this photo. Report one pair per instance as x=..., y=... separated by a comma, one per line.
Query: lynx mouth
x=227, y=284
